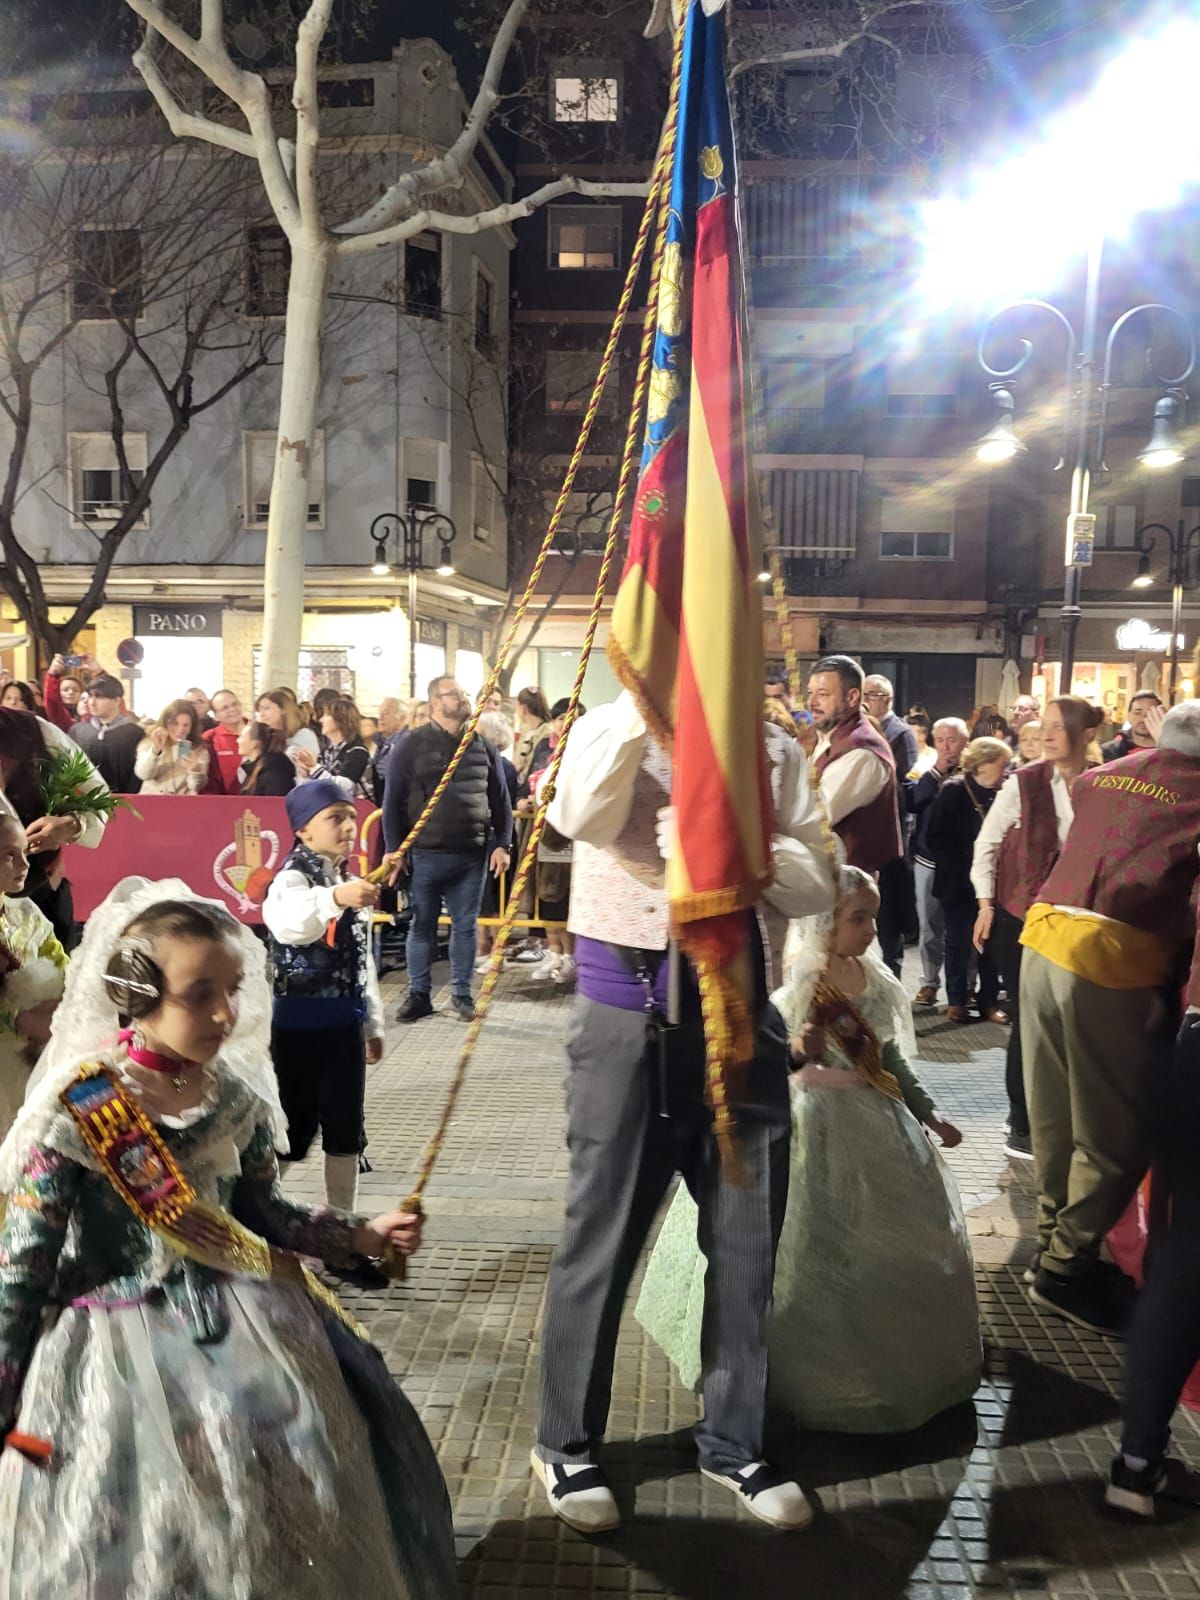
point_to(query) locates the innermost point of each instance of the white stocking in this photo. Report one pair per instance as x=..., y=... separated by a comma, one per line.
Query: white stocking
x=341, y=1181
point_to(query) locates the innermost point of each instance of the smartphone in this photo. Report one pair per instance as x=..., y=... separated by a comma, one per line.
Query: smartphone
x=185, y=749
x=72, y=661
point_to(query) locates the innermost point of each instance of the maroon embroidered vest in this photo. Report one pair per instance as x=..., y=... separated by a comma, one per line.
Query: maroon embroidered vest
x=1131, y=852
x=871, y=834
x=1027, y=853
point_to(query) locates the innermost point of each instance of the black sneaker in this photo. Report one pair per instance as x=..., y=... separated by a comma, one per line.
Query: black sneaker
x=1095, y=1301
x=1134, y=1492
x=463, y=1006
x=1019, y=1146
x=417, y=1005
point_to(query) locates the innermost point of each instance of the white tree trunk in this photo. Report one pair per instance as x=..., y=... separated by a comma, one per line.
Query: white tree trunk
x=283, y=578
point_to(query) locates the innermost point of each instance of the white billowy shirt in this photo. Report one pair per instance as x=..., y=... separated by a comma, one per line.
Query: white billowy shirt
x=1005, y=813
x=850, y=782
x=610, y=758
x=299, y=912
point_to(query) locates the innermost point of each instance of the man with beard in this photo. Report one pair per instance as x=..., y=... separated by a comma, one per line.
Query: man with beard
x=854, y=766
x=449, y=859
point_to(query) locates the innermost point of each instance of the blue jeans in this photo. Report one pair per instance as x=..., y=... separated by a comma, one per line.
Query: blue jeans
x=455, y=876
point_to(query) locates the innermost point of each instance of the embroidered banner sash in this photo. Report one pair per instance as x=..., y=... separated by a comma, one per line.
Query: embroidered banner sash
x=832, y=1012
x=135, y=1159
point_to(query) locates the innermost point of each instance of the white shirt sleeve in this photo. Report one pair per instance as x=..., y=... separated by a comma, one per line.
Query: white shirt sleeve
x=853, y=781
x=594, y=792
x=1005, y=814
x=92, y=826
x=298, y=912
x=805, y=871
x=1064, y=811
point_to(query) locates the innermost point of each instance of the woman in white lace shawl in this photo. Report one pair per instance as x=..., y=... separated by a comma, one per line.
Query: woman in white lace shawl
x=875, y=1326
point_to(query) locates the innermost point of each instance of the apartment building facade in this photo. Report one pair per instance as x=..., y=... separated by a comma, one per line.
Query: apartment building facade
x=411, y=416
x=897, y=544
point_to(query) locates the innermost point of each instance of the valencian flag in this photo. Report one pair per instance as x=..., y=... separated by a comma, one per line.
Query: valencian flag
x=687, y=620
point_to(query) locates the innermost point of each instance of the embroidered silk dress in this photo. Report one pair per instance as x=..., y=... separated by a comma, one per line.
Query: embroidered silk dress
x=215, y=1436
x=875, y=1327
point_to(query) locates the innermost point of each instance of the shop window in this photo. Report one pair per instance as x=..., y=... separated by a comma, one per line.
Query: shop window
x=258, y=449
x=268, y=268
x=571, y=377
x=423, y=275
x=585, y=93
x=585, y=238
x=317, y=669
x=106, y=274
x=98, y=494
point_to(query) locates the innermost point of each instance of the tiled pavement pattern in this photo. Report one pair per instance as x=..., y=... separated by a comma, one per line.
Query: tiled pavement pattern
x=999, y=1501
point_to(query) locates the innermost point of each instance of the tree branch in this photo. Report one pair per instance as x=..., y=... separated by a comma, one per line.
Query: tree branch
x=446, y=171
x=308, y=119
x=186, y=124
x=350, y=244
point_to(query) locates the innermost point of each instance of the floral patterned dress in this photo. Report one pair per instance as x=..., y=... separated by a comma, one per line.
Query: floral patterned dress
x=32, y=969
x=215, y=1437
x=875, y=1327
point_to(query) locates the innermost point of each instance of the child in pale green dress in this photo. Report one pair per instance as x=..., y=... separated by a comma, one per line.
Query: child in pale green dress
x=875, y=1326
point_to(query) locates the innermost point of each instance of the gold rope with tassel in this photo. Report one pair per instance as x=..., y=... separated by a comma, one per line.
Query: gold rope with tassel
x=656, y=202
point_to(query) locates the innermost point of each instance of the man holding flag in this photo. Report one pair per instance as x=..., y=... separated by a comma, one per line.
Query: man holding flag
x=676, y=771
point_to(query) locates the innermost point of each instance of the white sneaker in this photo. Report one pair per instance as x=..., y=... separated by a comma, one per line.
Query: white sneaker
x=767, y=1495
x=483, y=964
x=578, y=1494
x=564, y=972
x=544, y=970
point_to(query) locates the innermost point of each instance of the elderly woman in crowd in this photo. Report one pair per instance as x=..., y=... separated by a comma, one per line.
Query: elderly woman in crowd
x=957, y=816
x=173, y=758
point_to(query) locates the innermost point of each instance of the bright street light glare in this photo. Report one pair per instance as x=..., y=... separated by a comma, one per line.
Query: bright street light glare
x=1144, y=580
x=1168, y=456
x=994, y=451
x=380, y=569
x=1131, y=145
x=445, y=570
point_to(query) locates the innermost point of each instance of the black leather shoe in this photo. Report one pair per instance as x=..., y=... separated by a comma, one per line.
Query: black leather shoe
x=417, y=1005
x=463, y=1006
x=1100, y=1302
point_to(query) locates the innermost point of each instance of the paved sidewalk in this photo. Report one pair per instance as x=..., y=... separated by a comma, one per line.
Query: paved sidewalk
x=999, y=1501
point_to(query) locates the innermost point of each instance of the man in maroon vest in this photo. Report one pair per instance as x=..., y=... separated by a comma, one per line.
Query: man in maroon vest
x=855, y=769
x=1104, y=948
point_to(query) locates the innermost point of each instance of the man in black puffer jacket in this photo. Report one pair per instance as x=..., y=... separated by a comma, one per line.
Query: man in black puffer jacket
x=449, y=859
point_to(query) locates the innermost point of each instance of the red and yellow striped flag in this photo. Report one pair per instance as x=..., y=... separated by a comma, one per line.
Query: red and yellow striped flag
x=687, y=620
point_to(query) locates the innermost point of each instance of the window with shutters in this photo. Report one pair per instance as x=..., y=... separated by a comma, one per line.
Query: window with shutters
x=485, y=311
x=268, y=266
x=1116, y=526
x=106, y=274
x=423, y=475
x=916, y=527
x=98, y=494
x=483, y=500
x=923, y=385
x=423, y=275
x=584, y=238
x=258, y=450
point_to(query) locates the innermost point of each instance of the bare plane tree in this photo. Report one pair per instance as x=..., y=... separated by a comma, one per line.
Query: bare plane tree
x=120, y=276
x=415, y=202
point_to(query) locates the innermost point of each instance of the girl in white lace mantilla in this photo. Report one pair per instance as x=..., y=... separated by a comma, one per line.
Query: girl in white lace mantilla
x=875, y=1327
x=185, y=1417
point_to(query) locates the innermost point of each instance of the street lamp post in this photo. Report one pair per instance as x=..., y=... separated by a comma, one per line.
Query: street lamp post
x=1181, y=546
x=409, y=531
x=1083, y=433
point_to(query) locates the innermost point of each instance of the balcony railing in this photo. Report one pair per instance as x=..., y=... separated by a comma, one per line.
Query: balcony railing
x=794, y=430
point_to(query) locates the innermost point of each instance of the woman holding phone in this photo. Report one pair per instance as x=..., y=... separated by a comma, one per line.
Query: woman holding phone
x=172, y=758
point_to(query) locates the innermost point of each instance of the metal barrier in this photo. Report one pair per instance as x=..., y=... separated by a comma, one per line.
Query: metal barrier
x=385, y=919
